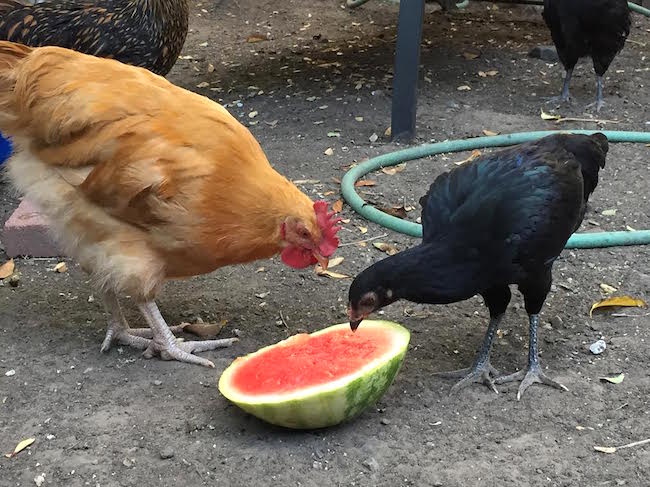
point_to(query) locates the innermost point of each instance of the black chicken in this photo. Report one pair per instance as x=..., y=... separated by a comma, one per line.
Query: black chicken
x=145, y=33
x=587, y=28
x=501, y=219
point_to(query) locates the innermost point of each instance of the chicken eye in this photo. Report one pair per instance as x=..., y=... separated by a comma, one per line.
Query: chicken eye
x=304, y=233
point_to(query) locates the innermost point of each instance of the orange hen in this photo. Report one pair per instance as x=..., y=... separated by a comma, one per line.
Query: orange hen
x=144, y=181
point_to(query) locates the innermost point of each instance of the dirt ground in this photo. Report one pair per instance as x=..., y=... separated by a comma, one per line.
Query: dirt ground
x=109, y=419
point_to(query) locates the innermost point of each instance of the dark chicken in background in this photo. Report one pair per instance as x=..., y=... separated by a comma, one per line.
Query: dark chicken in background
x=499, y=220
x=587, y=28
x=145, y=33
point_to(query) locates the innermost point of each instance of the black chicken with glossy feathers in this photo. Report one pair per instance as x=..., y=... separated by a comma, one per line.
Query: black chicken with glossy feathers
x=587, y=28
x=145, y=33
x=501, y=219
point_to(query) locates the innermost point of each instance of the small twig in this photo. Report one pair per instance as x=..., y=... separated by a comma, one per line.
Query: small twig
x=642, y=44
x=626, y=315
x=594, y=120
x=622, y=406
x=636, y=443
x=364, y=240
x=284, y=322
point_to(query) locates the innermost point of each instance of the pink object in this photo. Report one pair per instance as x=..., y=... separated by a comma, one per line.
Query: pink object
x=26, y=233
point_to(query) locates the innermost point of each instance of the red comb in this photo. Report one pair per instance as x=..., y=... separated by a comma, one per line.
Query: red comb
x=327, y=224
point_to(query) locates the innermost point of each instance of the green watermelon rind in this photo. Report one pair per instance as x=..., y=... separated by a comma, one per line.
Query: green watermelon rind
x=328, y=404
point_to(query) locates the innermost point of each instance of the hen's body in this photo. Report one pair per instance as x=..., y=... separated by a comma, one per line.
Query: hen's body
x=587, y=28
x=145, y=33
x=502, y=219
x=143, y=181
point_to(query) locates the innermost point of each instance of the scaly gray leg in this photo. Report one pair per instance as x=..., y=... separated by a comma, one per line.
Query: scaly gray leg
x=164, y=343
x=534, y=373
x=600, y=102
x=565, y=96
x=119, y=330
x=482, y=371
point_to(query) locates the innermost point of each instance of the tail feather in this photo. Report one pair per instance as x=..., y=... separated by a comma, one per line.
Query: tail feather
x=592, y=159
x=11, y=56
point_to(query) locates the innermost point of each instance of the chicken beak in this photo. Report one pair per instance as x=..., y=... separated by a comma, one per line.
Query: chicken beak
x=323, y=261
x=355, y=320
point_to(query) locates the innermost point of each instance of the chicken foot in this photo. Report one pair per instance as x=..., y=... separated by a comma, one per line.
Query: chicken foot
x=534, y=374
x=119, y=330
x=600, y=102
x=164, y=343
x=565, y=96
x=482, y=371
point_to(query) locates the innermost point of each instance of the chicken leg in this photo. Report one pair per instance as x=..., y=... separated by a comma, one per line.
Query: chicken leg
x=164, y=342
x=156, y=340
x=565, y=96
x=600, y=102
x=534, y=372
x=119, y=330
x=482, y=371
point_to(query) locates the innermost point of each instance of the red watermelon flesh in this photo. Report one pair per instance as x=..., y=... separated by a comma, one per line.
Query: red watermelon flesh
x=310, y=360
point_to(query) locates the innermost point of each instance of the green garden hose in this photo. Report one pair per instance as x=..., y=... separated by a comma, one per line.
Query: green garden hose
x=580, y=240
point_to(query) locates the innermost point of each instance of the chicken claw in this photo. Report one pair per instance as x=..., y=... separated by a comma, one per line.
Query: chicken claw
x=165, y=344
x=482, y=371
x=533, y=375
x=139, y=338
x=479, y=374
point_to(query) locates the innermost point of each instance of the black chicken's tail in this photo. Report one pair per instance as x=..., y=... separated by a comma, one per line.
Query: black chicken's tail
x=590, y=151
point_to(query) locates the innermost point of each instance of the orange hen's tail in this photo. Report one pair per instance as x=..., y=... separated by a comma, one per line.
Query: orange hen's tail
x=11, y=56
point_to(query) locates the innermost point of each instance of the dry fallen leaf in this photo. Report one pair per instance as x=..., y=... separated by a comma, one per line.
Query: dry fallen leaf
x=607, y=288
x=397, y=211
x=609, y=212
x=20, y=447
x=386, y=247
x=334, y=262
x=475, y=153
x=363, y=230
x=470, y=55
x=614, y=380
x=329, y=151
x=365, y=182
x=327, y=273
x=253, y=38
x=605, y=449
x=489, y=133
x=388, y=132
x=373, y=138
x=7, y=269
x=626, y=301
x=205, y=330
x=337, y=206
x=464, y=88
x=548, y=116
x=61, y=267
x=391, y=171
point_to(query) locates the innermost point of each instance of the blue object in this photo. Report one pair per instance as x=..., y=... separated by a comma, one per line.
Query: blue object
x=5, y=149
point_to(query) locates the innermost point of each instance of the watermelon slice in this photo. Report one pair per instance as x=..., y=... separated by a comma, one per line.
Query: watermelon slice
x=320, y=379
